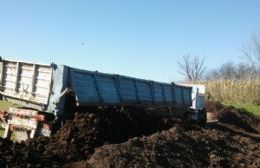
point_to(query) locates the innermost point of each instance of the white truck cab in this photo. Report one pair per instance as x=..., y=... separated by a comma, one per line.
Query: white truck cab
x=198, y=111
x=198, y=102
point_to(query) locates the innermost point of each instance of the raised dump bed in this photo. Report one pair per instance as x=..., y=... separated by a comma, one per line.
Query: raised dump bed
x=43, y=87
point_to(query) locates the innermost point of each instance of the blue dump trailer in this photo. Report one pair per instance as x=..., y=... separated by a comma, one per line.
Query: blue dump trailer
x=43, y=88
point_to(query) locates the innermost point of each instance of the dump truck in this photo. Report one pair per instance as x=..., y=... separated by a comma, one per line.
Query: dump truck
x=50, y=92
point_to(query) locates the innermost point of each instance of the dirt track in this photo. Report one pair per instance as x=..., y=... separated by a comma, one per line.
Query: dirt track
x=94, y=140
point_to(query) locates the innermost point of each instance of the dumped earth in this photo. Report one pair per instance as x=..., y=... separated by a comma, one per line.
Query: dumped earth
x=77, y=139
x=235, y=117
x=132, y=138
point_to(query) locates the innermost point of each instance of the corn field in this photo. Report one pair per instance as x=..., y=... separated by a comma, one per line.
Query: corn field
x=234, y=91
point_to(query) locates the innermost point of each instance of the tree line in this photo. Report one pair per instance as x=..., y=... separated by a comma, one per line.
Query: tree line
x=193, y=67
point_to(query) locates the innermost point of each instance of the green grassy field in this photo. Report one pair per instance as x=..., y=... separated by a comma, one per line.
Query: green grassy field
x=251, y=108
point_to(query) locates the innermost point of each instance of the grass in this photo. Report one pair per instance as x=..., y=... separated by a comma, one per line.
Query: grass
x=238, y=93
x=234, y=91
x=1, y=132
x=4, y=105
x=251, y=108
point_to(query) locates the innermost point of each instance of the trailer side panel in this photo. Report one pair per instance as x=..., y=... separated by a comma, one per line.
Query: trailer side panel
x=94, y=88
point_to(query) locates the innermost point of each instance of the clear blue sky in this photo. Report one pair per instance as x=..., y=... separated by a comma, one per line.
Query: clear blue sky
x=140, y=38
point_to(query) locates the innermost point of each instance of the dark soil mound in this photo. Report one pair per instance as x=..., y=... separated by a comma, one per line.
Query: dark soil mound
x=86, y=142
x=179, y=147
x=77, y=139
x=238, y=117
x=214, y=106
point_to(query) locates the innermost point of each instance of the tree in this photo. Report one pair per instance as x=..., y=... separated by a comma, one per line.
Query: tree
x=251, y=52
x=192, y=67
x=244, y=71
x=230, y=70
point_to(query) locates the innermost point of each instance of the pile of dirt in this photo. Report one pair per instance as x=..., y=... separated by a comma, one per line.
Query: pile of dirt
x=78, y=139
x=135, y=138
x=179, y=147
x=236, y=116
x=213, y=106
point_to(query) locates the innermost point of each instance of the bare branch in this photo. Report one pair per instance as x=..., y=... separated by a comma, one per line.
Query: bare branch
x=256, y=45
x=192, y=67
x=251, y=52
